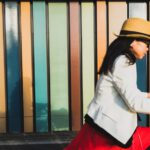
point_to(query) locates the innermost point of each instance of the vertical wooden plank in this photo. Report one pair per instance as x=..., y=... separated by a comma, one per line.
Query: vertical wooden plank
x=134, y=10
x=75, y=65
x=117, y=15
x=26, y=66
x=58, y=65
x=40, y=66
x=141, y=64
x=2, y=80
x=13, y=68
x=87, y=9
x=101, y=33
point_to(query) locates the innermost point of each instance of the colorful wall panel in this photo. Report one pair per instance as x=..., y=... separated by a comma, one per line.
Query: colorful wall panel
x=75, y=56
x=101, y=33
x=117, y=15
x=2, y=79
x=27, y=66
x=13, y=68
x=88, y=50
x=40, y=66
x=58, y=56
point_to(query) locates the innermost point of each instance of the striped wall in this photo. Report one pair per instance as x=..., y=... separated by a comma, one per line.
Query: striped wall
x=50, y=53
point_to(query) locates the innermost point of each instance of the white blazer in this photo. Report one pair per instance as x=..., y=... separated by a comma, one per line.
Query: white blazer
x=117, y=101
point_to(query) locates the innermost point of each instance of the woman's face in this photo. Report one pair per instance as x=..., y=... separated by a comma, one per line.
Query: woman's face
x=139, y=48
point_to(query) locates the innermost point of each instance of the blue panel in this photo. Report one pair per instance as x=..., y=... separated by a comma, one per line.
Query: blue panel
x=13, y=68
x=142, y=84
x=40, y=66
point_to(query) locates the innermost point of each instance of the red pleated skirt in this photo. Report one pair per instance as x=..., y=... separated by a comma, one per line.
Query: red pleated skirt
x=90, y=139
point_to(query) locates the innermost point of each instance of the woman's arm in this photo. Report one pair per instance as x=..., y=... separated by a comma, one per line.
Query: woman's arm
x=124, y=80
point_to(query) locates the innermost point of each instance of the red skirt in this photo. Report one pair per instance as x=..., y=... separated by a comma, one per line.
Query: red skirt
x=90, y=139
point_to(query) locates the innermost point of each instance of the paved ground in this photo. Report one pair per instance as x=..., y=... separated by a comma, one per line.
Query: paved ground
x=50, y=141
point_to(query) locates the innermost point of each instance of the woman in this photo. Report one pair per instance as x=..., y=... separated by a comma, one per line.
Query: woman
x=111, y=119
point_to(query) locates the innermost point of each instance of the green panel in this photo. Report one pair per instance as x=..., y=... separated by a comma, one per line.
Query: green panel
x=141, y=64
x=87, y=53
x=58, y=65
x=40, y=67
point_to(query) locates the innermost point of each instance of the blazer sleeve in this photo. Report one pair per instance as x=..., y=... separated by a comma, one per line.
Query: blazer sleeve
x=125, y=82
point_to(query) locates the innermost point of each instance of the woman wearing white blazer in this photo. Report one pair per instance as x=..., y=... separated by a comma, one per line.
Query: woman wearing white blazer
x=111, y=119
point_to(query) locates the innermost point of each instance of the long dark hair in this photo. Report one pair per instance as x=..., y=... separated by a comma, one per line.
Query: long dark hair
x=119, y=46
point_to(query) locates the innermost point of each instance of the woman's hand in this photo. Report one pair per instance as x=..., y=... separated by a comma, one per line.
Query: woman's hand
x=148, y=95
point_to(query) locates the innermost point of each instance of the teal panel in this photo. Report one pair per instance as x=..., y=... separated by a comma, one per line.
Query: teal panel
x=40, y=66
x=13, y=70
x=141, y=64
x=87, y=53
x=58, y=65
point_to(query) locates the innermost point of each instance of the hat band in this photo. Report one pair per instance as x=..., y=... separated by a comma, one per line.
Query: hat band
x=124, y=32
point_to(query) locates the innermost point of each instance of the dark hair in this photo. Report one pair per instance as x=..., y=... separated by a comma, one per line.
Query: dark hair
x=119, y=46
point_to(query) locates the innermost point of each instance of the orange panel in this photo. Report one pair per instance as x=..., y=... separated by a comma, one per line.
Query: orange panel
x=28, y=124
x=27, y=66
x=2, y=81
x=75, y=65
x=2, y=125
x=101, y=33
x=117, y=15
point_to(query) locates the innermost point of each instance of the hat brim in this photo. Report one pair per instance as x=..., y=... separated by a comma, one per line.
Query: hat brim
x=134, y=36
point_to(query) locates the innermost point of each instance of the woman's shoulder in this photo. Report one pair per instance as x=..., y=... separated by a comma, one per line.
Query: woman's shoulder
x=122, y=60
x=123, y=63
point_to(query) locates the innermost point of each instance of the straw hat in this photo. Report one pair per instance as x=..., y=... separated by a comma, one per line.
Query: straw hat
x=136, y=28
